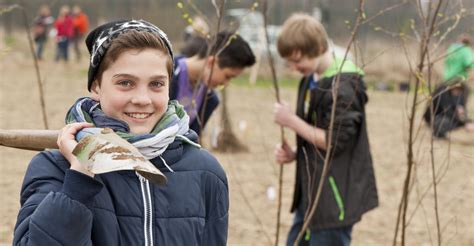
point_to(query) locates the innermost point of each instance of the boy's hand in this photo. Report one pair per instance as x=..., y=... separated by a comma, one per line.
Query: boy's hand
x=469, y=126
x=283, y=115
x=284, y=154
x=67, y=142
x=461, y=113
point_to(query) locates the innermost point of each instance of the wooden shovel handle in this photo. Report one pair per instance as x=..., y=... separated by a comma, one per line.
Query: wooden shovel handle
x=29, y=139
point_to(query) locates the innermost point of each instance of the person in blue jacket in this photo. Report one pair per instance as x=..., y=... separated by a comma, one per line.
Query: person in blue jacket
x=62, y=203
x=196, y=77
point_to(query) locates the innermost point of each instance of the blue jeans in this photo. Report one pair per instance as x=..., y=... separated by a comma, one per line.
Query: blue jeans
x=324, y=237
x=62, y=49
x=39, y=48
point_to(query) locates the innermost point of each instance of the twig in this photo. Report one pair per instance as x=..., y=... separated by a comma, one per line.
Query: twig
x=199, y=12
x=35, y=60
x=424, y=48
x=384, y=11
x=9, y=9
x=433, y=167
x=282, y=132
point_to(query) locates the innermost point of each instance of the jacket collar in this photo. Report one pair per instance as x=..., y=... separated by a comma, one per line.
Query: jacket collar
x=174, y=152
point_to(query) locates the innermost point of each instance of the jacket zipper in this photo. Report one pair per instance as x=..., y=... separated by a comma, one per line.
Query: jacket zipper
x=148, y=218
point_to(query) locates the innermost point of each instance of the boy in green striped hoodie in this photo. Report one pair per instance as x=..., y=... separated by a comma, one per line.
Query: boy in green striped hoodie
x=349, y=190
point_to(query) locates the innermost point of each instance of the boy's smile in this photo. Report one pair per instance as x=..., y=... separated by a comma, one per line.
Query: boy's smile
x=138, y=116
x=134, y=89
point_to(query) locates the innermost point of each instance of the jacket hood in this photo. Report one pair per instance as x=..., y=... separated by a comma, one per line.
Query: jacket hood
x=347, y=67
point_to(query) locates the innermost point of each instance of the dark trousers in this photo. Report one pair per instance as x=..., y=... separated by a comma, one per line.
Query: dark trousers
x=39, y=48
x=62, y=49
x=77, y=41
x=443, y=124
x=324, y=237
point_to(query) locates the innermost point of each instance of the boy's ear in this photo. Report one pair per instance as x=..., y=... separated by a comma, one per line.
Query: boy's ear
x=95, y=91
x=211, y=60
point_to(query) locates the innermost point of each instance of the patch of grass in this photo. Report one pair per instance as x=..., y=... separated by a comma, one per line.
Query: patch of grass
x=10, y=40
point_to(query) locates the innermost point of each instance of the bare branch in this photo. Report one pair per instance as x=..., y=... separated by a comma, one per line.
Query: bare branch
x=429, y=21
x=35, y=60
x=384, y=11
x=9, y=9
x=282, y=132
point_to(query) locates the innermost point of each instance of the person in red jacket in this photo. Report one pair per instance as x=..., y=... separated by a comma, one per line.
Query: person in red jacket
x=81, y=26
x=64, y=32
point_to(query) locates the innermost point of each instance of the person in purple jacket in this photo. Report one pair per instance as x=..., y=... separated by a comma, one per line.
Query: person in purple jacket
x=62, y=203
x=196, y=77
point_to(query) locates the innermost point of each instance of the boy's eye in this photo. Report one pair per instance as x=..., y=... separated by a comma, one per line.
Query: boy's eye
x=125, y=83
x=157, y=84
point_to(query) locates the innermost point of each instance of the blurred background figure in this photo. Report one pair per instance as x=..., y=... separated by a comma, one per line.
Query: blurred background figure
x=64, y=32
x=198, y=27
x=193, y=45
x=449, y=110
x=41, y=26
x=195, y=37
x=450, y=97
x=81, y=26
x=459, y=59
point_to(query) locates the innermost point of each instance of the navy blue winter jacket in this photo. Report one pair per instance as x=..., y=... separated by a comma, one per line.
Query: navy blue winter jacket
x=60, y=206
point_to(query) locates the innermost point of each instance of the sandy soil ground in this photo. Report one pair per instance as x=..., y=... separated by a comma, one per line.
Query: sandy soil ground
x=252, y=214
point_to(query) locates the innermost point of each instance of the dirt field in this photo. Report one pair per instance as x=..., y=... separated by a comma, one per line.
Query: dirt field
x=250, y=174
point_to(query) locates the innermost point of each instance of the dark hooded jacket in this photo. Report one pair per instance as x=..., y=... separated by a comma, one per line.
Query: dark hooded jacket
x=60, y=206
x=349, y=189
x=445, y=103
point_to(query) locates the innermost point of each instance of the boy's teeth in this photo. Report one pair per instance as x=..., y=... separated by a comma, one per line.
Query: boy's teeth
x=139, y=116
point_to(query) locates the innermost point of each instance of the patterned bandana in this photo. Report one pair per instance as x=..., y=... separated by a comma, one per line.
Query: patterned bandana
x=100, y=39
x=173, y=124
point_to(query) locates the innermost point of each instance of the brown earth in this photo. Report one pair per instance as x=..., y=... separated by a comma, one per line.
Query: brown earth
x=252, y=214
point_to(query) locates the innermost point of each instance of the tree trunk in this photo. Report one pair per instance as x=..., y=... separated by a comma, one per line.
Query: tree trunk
x=226, y=139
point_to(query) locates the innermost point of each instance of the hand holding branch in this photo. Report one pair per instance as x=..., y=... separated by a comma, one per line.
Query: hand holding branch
x=284, y=154
x=283, y=115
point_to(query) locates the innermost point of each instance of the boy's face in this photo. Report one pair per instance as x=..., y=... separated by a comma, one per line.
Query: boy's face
x=134, y=89
x=456, y=91
x=301, y=63
x=220, y=76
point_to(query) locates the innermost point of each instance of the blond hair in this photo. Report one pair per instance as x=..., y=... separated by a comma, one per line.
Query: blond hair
x=303, y=33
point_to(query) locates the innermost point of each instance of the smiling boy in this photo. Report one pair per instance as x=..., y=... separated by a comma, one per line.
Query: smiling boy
x=62, y=203
x=135, y=88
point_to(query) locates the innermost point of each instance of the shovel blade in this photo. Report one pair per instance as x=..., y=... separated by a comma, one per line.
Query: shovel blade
x=105, y=152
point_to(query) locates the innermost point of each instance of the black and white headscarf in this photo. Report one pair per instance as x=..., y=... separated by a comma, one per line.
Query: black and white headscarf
x=100, y=39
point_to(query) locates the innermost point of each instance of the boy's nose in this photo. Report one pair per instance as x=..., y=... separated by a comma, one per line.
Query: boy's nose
x=292, y=66
x=141, y=98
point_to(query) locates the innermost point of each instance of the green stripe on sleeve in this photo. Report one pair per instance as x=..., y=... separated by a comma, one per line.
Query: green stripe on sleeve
x=339, y=202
